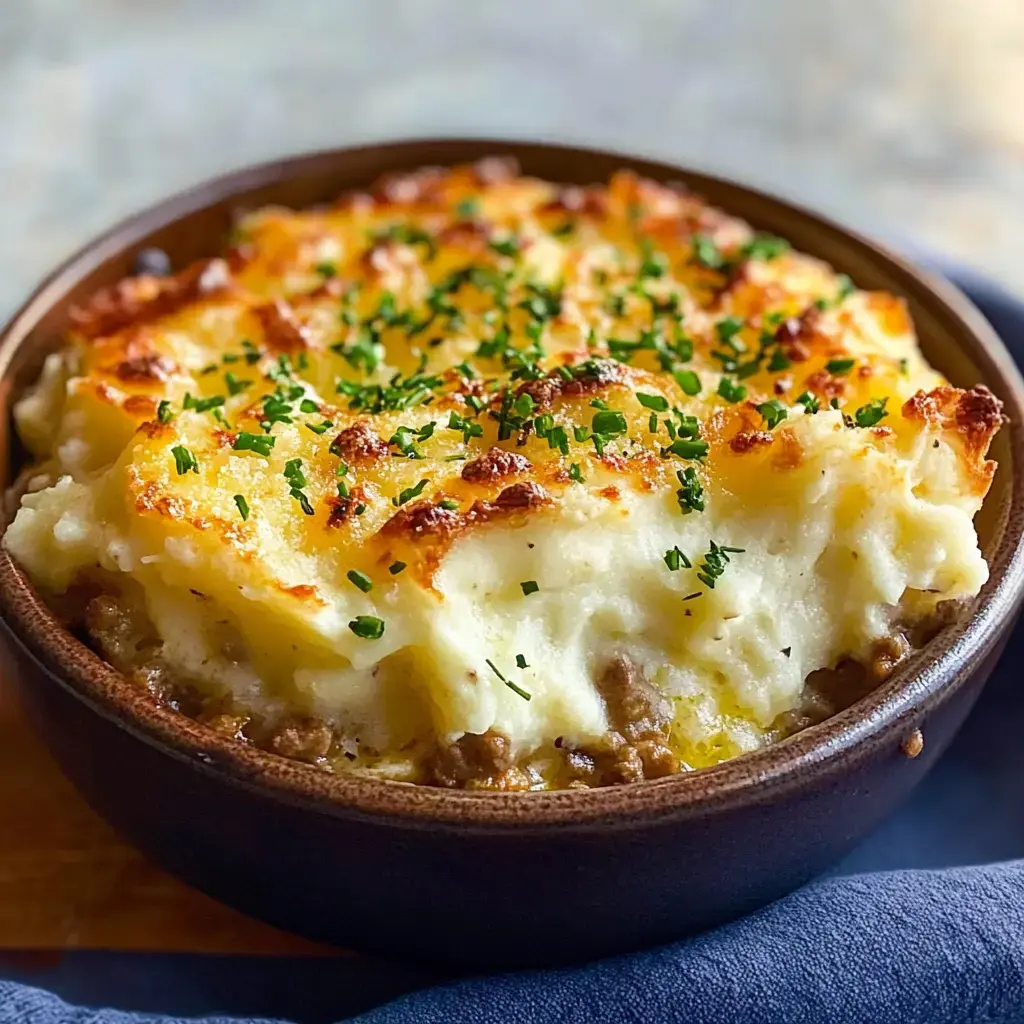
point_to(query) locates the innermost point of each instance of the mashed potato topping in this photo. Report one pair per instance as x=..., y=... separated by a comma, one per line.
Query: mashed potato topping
x=479, y=480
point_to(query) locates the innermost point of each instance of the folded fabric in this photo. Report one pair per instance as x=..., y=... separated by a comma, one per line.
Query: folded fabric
x=906, y=947
x=934, y=947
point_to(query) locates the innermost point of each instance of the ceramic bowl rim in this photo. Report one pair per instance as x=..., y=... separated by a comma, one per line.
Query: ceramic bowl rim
x=933, y=675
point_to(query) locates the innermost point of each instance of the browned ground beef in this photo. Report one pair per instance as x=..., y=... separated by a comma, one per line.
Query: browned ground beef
x=636, y=746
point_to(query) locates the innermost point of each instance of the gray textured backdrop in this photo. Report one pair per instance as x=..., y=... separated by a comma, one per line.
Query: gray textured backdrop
x=903, y=117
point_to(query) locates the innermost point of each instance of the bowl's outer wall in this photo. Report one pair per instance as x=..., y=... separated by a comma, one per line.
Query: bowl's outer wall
x=479, y=897
x=485, y=890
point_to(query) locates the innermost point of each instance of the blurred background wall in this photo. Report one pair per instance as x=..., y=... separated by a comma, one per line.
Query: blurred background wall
x=902, y=117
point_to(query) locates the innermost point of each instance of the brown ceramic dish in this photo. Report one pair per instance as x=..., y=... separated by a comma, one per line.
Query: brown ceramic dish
x=493, y=877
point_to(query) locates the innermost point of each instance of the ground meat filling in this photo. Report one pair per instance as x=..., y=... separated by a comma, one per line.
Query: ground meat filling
x=472, y=760
x=636, y=746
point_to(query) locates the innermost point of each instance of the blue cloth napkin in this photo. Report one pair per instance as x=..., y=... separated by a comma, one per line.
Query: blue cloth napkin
x=913, y=946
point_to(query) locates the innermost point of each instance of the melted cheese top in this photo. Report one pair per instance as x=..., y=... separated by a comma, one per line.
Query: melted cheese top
x=422, y=462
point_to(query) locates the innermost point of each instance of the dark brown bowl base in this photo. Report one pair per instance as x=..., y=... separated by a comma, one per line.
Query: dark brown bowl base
x=485, y=898
x=503, y=879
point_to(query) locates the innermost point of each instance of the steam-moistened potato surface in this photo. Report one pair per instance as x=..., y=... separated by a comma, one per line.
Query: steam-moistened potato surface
x=476, y=480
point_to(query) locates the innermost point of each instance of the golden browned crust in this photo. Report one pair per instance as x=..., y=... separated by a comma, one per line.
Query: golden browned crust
x=137, y=300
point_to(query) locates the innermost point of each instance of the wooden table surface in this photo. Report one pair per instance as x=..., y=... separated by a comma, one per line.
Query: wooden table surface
x=67, y=881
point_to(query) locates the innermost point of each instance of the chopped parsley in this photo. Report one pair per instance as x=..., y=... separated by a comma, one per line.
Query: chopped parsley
x=184, y=460
x=773, y=412
x=872, y=413
x=259, y=443
x=529, y=587
x=243, y=506
x=368, y=627
x=360, y=580
x=508, y=682
x=675, y=560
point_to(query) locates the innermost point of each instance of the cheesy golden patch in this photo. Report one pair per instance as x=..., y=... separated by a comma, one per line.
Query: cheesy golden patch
x=478, y=480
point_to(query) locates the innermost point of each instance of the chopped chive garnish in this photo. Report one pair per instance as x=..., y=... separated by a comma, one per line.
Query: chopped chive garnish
x=686, y=448
x=448, y=503
x=184, y=460
x=308, y=405
x=326, y=269
x=839, y=367
x=904, y=366
x=360, y=580
x=521, y=661
x=774, y=412
x=706, y=253
x=714, y=564
x=690, y=494
x=259, y=443
x=609, y=422
x=529, y=587
x=396, y=567
x=235, y=386
x=728, y=330
x=409, y=493
x=675, y=559
x=466, y=208
x=872, y=413
x=778, y=362
x=655, y=402
x=731, y=391
x=765, y=247
x=688, y=381
x=809, y=402
x=508, y=682
x=243, y=506
x=505, y=246
x=164, y=412
x=202, y=404
x=575, y=473
x=368, y=627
